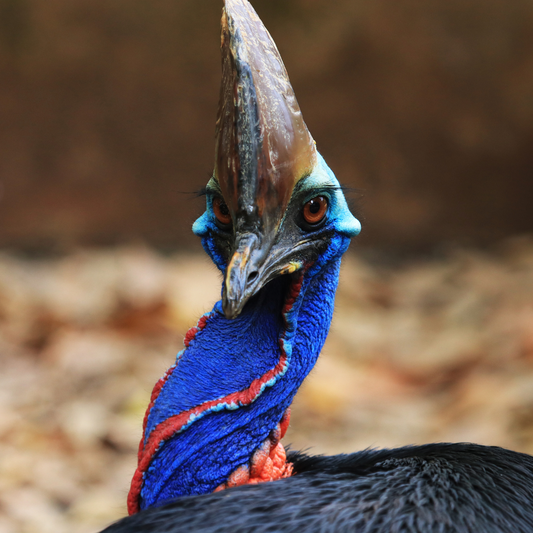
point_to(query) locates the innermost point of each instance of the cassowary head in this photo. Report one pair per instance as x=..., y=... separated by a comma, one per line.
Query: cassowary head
x=273, y=204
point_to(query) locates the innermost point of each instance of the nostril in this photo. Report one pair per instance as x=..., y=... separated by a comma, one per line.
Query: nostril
x=252, y=277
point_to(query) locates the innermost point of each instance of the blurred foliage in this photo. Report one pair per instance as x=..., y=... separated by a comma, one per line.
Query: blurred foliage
x=108, y=108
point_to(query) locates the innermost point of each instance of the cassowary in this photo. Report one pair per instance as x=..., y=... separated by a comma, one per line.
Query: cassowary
x=276, y=225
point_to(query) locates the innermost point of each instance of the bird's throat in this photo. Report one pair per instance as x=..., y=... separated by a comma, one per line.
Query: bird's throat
x=216, y=418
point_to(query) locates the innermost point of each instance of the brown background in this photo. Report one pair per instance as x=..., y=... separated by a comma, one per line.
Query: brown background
x=107, y=111
x=107, y=114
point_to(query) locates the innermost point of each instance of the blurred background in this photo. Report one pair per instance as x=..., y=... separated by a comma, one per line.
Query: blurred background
x=107, y=112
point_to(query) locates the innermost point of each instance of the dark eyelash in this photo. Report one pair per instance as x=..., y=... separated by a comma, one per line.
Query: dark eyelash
x=345, y=189
x=352, y=191
x=355, y=198
x=195, y=194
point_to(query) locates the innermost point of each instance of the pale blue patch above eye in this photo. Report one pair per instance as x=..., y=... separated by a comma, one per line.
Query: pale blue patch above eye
x=343, y=220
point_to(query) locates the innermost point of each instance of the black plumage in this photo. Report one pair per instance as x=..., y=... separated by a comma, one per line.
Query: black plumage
x=435, y=488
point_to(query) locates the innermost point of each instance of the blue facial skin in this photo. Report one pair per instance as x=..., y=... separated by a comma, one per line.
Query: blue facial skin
x=228, y=355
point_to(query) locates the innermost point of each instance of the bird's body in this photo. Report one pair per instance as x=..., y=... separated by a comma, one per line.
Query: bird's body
x=436, y=488
x=277, y=225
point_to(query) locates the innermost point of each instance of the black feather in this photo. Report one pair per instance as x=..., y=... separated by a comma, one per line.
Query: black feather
x=436, y=488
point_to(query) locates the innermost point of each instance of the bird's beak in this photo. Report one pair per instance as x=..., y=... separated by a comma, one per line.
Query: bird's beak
x=241, y=276
x=250, y=269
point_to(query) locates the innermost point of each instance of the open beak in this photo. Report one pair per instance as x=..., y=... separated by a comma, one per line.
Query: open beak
x=248, y=272
x=253, y=266
x=241, y=276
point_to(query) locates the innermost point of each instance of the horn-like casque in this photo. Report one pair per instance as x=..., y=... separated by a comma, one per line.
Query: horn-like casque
x=263, y=146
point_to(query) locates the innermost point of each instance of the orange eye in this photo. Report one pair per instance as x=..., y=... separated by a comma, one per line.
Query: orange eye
x=221, y=211
x=315, y=210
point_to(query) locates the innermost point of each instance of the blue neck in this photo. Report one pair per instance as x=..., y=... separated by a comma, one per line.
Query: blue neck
x=231, y=386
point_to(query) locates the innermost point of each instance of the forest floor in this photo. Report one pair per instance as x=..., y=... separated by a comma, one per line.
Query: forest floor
x=436, y=349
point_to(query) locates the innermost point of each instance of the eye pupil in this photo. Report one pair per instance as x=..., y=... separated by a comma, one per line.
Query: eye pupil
x=315, y=210
x=314, y=207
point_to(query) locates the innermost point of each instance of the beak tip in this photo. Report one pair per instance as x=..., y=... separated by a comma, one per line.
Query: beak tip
x=230, y=314
x=230, y=308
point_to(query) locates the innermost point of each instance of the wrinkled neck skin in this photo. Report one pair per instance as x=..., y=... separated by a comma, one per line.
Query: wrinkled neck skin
x=232, y=384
